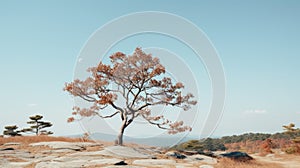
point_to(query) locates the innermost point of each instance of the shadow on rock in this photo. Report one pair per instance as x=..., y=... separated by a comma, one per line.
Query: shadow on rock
x=237, y=156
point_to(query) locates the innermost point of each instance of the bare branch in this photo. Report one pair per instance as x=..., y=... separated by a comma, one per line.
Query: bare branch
x=116, y=107
x=108, y=116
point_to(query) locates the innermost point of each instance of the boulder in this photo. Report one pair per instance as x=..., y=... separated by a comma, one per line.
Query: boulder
x=202, y=158
x=206, y=166
x=12, y=144
x=175, y=155
x=17, y=164
x=77, y=163
x=121, y=163
x=76, y=146
x=153, y=162
x=239, y=156
x=59, y=145
x=184, y=165
x=17, y=154
x=6, y=149
x=123, y=152
x=190, y=152
x=126, y=166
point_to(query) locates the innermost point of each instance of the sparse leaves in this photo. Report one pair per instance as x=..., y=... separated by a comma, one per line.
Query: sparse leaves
x=139, y=82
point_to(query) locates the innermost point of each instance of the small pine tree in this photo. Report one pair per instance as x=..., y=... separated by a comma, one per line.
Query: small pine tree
x=37, y=126
x=11, y=130
x=293, y=133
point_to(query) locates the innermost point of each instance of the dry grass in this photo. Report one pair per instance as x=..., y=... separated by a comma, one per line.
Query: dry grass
x=286, y=160
x=42, y=138
x=26, y=140
x=229, y=163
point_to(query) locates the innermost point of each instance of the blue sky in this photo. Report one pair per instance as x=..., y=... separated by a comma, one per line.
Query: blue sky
x=257, y=41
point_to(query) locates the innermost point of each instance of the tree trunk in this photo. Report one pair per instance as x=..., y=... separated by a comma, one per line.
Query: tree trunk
x=120, y=135
x=37, y=128
x=122, y=129
x=120, y=139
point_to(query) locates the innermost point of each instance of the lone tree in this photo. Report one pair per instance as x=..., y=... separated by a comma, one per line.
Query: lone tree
x=139, y=81
x=294, y=133
x=37, y=126
x=11, y=130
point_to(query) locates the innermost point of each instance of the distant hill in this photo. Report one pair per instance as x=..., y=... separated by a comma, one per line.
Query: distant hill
x=162, y=141
x=253, y=140
x=174, y=140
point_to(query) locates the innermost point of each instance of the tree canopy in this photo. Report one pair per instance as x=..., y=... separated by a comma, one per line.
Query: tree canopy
x=140, y=82
x=11, y=130
x=37, y=126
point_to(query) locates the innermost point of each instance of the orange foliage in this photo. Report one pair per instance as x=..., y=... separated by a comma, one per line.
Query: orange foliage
x=266, y=146
x=263, y=147
x=139, y=83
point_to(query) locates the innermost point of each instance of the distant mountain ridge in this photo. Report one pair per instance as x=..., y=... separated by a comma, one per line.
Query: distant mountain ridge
x=171, y=140
x=162, y=141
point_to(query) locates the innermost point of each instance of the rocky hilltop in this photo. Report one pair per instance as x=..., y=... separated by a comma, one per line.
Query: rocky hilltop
x=60, y=154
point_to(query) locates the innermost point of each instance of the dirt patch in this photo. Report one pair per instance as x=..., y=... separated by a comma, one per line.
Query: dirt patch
x=229, y=163
x=284, y=160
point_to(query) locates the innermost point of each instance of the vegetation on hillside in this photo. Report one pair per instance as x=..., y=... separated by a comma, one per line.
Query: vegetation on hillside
x=294, y=134
x=208, y=144
x=288, y=141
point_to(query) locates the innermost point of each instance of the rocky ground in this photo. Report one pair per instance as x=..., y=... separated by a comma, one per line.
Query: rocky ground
x=62, y=154
x=279, y=158
x=58, y=154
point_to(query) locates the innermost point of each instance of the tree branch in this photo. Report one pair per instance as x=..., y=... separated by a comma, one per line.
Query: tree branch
x=153, y=123
x=108, y=116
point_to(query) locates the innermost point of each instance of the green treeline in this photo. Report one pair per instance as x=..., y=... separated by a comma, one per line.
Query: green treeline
x=214, y=144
